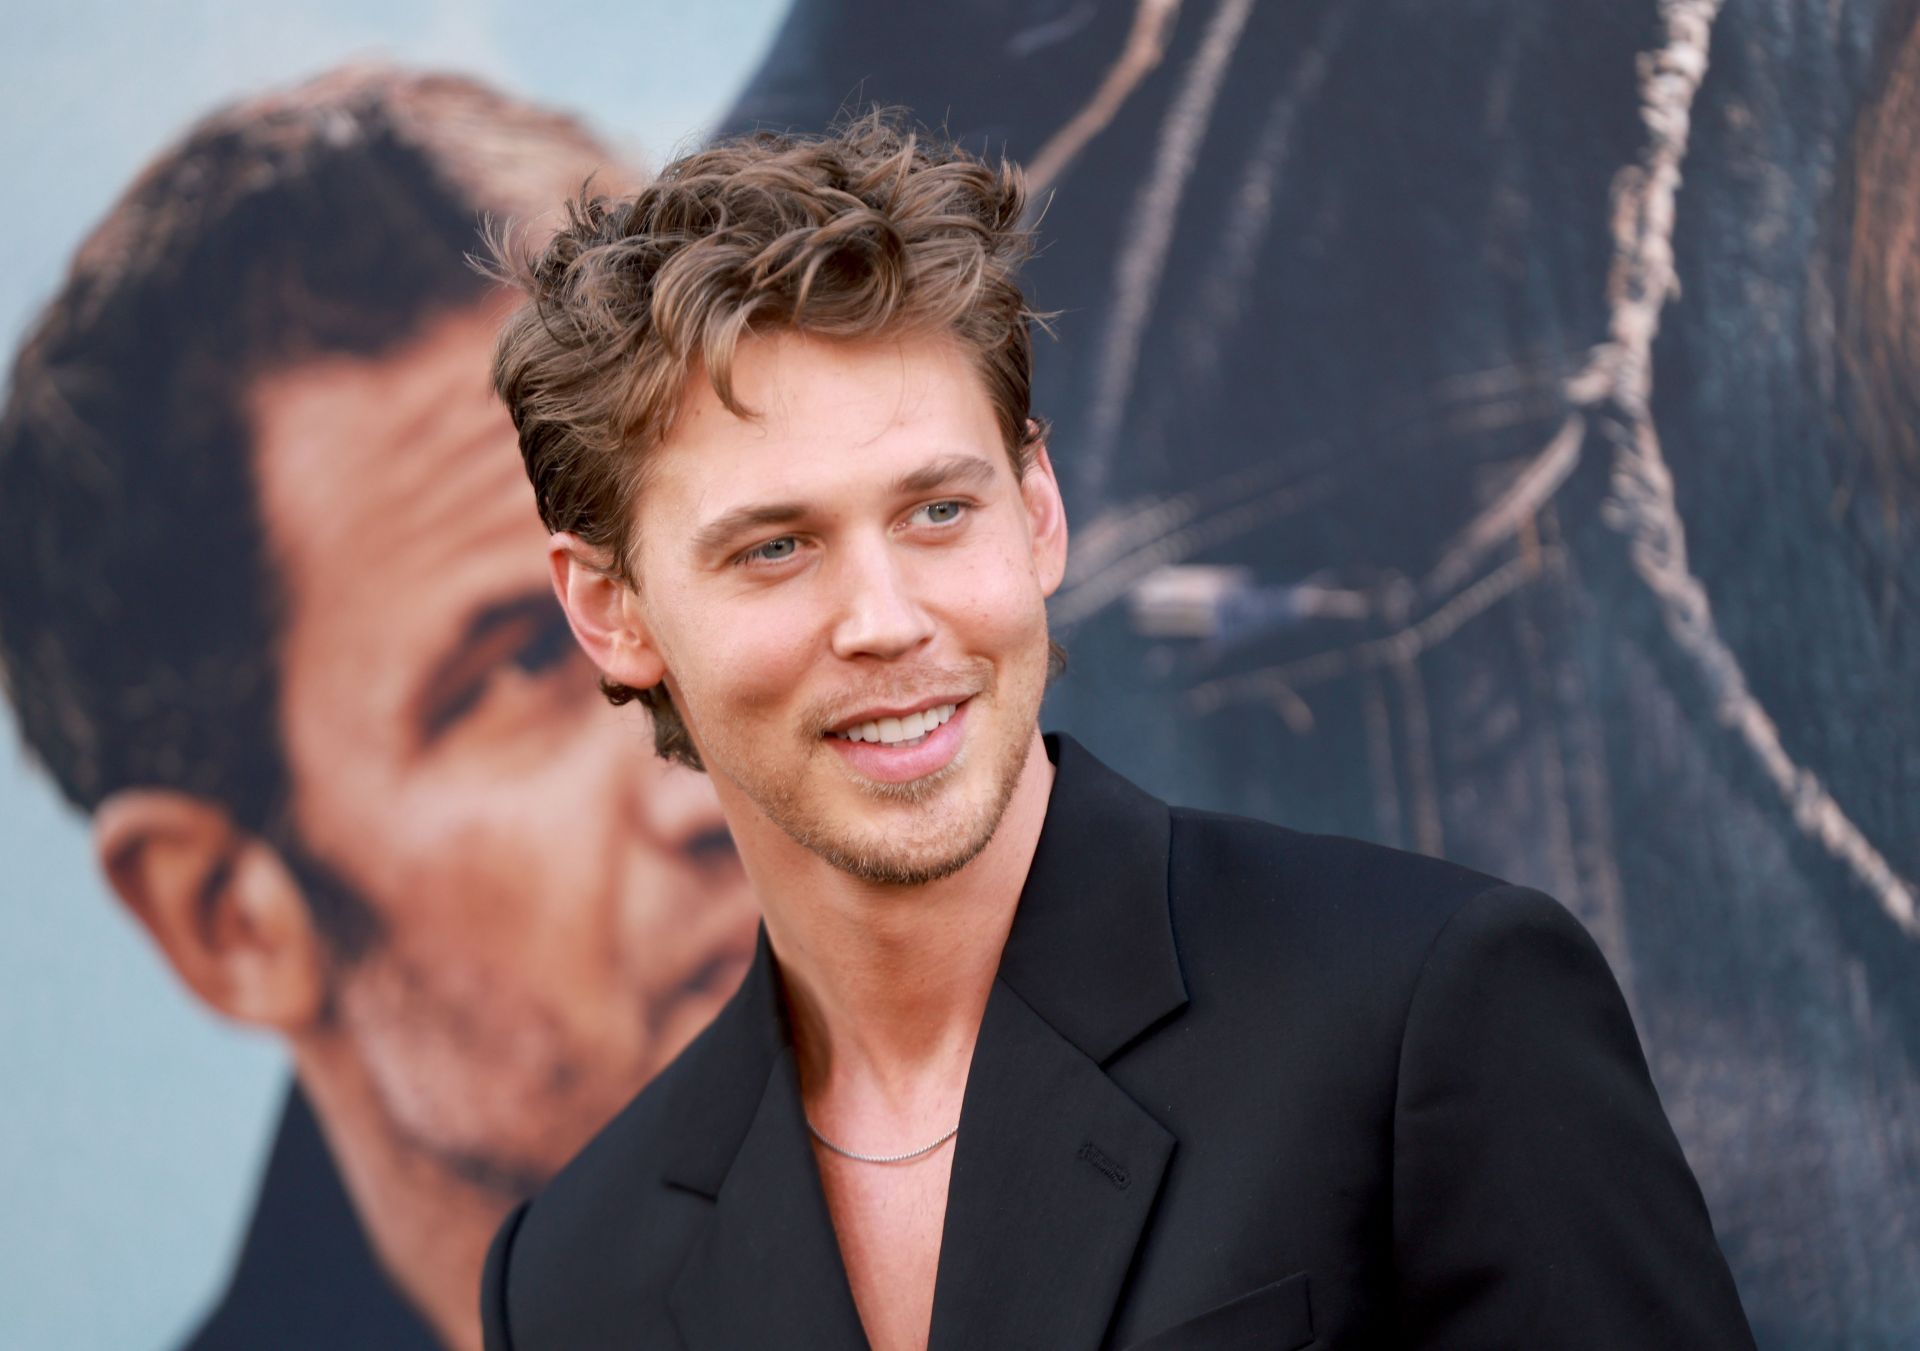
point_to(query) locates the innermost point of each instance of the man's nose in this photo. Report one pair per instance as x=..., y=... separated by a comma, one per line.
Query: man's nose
x=880, y=615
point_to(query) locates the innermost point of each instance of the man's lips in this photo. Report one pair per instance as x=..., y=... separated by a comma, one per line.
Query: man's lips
x=905, y=761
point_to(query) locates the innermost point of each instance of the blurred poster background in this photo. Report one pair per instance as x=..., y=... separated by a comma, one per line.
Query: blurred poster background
x=134, y=1126
x=1488, y=428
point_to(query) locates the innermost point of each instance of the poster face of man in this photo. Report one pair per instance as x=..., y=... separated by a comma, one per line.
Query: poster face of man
x=558, y=910
x=276, y=616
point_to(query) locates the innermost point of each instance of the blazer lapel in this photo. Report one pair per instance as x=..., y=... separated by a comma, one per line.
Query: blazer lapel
x=1055, y=1172
x=766, y=1271
x=1056, y=1168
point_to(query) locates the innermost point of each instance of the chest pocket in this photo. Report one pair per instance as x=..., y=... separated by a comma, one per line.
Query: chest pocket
x=1275, y=1317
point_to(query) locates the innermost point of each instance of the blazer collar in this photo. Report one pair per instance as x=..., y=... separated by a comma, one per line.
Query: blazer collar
x=1055, y=1169
x=1091, y=949
x=766, y=1270
x=718, y=1082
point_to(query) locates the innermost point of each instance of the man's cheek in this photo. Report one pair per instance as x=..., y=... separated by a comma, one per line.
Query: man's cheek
x=757, y=676
x=1000, y=615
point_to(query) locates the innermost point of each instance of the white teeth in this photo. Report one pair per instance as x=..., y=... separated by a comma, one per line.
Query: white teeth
x=901, y=731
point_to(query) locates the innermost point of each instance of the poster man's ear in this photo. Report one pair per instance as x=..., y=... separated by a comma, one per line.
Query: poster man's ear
x=219, y=903
x=604, y=612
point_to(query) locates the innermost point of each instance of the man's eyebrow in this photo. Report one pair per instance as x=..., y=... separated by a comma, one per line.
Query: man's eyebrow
x=721, y=531
x=949, y=471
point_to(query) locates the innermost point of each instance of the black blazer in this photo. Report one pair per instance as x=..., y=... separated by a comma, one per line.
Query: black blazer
x=1236, y=1087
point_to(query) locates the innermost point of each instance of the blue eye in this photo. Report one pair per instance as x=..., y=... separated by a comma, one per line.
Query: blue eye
x=773, y=551
x=943, y=513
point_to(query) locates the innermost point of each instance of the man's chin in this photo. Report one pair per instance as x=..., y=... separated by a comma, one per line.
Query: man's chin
x=896, y=868
x=952, y=820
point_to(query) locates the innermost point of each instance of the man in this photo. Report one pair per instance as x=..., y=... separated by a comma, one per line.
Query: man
x=1026, y=1058
x=271, y=612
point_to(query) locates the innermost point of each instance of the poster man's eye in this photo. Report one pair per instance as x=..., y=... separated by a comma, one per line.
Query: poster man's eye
x=505, y=650
x=547, y=644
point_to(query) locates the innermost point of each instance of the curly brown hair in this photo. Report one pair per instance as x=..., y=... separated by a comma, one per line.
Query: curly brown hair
x=871, y=229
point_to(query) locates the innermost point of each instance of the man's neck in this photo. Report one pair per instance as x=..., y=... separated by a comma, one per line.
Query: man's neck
x=887, y=985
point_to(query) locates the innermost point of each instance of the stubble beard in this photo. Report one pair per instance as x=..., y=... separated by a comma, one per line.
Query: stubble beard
x=933, y=860
x=922, y=860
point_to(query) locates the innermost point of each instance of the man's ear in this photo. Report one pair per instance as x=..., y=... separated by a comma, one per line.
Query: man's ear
x=604, y=612
x=219, y=903
x=1046, y=520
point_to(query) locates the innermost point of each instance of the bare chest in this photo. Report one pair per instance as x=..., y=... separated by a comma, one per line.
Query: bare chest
x=887, y=1219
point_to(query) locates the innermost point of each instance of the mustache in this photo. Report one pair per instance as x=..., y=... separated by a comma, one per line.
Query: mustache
x=967, y=679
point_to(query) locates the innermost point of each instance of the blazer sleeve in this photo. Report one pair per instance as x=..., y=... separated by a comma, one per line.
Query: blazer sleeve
x=1540, y=1197
x=493, y=1284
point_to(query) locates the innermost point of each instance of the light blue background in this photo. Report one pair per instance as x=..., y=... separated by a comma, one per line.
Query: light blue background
x=132, y=1124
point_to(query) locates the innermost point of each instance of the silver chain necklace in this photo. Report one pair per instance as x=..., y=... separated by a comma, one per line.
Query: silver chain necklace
x=880, y=1158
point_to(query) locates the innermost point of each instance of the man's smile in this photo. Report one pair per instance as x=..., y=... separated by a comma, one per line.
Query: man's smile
x=902, y=749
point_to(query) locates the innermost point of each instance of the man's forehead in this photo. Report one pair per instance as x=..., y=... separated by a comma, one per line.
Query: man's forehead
x=826, y=401
x=787, y=377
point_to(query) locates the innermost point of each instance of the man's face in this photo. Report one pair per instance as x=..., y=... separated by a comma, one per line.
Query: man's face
x=561, y=910
x=859, y=555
